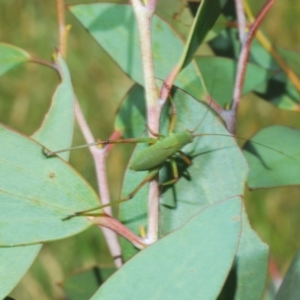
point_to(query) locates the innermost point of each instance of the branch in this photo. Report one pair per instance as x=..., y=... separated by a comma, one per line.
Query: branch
x=144, y=15
x=241, y=19
x=116, y=226
x=62, y=28
x=99, y=157
x=230, y=116
x=271, y=49
x=43, y=62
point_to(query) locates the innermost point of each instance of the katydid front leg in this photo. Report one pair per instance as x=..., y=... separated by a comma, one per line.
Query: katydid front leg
x=49, y=153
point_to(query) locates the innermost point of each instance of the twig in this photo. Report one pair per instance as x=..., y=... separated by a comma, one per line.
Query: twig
x=116, y=226
x=62, y=28
x=271, y=49
x=43, y=62
x=230, y=116
x=144, y=15
x=241, y=19
x=167, y=85
x=99, y=156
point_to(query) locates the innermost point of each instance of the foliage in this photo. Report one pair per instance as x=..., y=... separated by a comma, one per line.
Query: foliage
x=206, y=247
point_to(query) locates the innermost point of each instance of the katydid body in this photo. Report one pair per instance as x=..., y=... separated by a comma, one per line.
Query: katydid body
x=159, y=152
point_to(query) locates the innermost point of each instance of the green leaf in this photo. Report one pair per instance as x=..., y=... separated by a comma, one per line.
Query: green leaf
x=291, y=57
x=276, y=166
x=15, y=261
x=219, y=76
x=290, y=287
x=251, y=264
x=207, y=14
x=114, y=27
x=219, y=25
x=130, y=119
x=247, y=278
x=36, y=193
x=84, y=284
x=178, y=16
x=279, y=90
x=11, y=57
x=190, y=263
x=51, y=133
x=218, y=171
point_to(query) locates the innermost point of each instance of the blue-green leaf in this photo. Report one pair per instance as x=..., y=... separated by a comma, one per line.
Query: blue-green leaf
x=11, y=57
x=190, y=263
x=274, y=166
x=114, y=27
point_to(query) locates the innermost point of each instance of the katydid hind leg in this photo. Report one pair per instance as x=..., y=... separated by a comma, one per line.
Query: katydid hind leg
x=174, y=172
x=185, y=158
x=148, y=178
x=173, y=115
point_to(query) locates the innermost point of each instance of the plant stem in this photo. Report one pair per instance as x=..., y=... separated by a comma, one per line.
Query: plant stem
x=99, y=156
x=230, y=116
x=144, y=16
x=62, y=29
x=116, y=226
x=241, y=19
x=272, y=50
x=43, y=62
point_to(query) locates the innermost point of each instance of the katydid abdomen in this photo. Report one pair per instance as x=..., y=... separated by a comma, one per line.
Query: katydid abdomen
x=159, y=152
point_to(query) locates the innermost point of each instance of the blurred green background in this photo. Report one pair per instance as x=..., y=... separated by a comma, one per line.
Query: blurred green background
x=99, y=84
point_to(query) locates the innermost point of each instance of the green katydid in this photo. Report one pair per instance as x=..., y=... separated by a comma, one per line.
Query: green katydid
x=152, y=158
x=161, y=148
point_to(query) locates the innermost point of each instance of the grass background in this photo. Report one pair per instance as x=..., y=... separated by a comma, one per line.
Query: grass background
x=99, y=84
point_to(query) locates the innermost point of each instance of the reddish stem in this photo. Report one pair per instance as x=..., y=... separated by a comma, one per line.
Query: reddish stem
x=116, y=226
x=62, y=27
x=99, y=156
x=230, y=116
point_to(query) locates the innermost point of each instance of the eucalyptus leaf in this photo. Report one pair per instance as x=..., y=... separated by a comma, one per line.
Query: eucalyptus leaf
x=207, y=14
x=289, y=288
x=36, y=193
x=15, y=261
x=219, y=77
x=275, y=165
x=11, y=57
x=278, y=89
x=51, y=134
x=114, y=27
x=84, y=283
x=130, y=120
x=251, y=264
x=190, y=263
